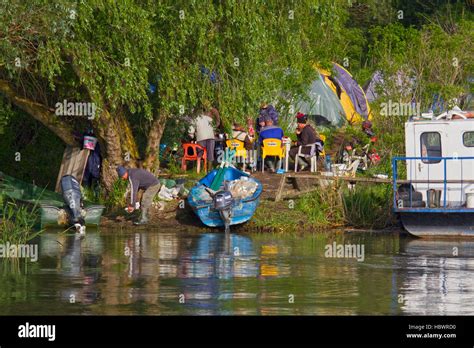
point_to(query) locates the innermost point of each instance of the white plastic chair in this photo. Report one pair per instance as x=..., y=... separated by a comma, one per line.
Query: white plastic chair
x=312, y=156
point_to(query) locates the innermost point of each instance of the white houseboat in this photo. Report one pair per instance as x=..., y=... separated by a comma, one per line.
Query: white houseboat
x=433, y=186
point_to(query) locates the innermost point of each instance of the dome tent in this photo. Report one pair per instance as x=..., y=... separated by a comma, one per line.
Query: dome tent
x=322, y=105
x=349, y=93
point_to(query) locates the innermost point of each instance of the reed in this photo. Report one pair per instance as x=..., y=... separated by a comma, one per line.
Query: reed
x=18, y=221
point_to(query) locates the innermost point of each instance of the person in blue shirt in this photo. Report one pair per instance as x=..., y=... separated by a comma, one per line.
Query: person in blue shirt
x=270, y=131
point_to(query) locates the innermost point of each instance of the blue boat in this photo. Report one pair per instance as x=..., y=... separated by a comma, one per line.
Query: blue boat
x=241, y=210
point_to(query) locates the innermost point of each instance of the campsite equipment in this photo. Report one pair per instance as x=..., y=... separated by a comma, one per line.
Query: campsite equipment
x=470, y=199
x=439, y=204
x=239, y=148
x=89, y=142
x=327, y=163
x=334, y=99
x=350, y=94
x=190, y=153
x=434, y=198
x=323, y=102
x=272, y=147
x=315, y=148
x=242, y=209
x=73, y=163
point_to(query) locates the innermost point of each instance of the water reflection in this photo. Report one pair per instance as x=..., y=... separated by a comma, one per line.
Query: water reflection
x=438, y=277
x=190, y=272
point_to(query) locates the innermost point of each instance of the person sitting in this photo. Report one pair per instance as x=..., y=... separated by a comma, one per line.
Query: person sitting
x=306, y=135
x=259, y=124
x=239, y=133
x=270, y=131
x=140, y=179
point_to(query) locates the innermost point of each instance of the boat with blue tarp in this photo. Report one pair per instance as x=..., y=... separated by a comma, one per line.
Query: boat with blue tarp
x=233, y=202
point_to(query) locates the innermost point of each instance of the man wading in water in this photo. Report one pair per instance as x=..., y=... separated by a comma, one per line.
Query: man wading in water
x=140, y=179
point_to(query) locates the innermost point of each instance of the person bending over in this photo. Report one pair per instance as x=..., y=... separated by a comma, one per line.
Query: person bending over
x=140, y=179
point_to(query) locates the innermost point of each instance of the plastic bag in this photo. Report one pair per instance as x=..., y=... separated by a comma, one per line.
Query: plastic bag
x=242, y=188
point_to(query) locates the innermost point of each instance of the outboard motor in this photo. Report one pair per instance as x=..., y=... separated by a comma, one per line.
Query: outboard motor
x=223, y=201
x=73, y=198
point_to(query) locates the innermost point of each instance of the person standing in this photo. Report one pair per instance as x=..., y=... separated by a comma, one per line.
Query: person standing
x=202, y=129
x=268, y=111
x=140, y=179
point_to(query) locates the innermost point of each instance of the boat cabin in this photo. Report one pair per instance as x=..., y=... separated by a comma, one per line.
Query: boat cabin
x=440, y=150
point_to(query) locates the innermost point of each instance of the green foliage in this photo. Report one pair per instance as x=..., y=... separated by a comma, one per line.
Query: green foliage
x=322, y=207
x=17, y=222
x=116, y=197
x=5, y=114
x=368, y=206
x=365, y=206
x=39, y=149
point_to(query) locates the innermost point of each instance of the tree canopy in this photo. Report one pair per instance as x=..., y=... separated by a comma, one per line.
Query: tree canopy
x=144, y=62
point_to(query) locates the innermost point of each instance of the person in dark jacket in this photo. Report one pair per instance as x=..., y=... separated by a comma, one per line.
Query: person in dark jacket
x=268, y=110
x=140, y=179
x=306, y=135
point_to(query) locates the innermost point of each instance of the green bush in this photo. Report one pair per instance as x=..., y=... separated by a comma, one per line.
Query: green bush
x=368, y=206
x=17, y=222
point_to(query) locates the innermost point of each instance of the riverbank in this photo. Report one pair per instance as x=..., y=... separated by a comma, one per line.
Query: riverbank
x=332, y=207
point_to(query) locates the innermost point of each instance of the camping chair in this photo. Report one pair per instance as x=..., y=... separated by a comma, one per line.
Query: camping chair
x=315, y=149
x=190, y=153
x=272, y=147
x=238, y=146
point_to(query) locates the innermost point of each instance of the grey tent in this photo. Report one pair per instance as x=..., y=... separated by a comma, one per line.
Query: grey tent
x=322, y=104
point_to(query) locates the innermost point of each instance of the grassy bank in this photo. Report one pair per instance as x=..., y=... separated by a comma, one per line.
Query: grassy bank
x=17, y=222
x=365, y=206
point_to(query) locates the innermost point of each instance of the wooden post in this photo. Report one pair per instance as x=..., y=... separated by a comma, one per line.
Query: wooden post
x=280, y=188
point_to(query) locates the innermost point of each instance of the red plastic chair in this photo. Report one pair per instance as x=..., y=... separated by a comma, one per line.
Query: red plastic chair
x=190, y=153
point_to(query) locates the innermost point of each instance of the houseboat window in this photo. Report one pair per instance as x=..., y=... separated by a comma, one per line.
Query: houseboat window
x=468, y=139
x=431, y=146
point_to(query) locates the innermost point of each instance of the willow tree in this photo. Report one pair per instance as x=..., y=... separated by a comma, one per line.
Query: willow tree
x=110, y=53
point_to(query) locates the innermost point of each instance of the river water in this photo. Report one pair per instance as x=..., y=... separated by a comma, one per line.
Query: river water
x=196, y=272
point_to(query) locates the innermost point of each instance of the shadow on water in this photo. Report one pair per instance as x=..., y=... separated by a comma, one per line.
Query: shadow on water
x=164, y=271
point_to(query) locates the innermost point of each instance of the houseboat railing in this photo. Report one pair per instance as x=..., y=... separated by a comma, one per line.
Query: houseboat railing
x=396, y=181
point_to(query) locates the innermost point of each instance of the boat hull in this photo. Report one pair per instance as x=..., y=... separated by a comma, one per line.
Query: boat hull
x=438, y=224
x=241, y=212
x=56, y=216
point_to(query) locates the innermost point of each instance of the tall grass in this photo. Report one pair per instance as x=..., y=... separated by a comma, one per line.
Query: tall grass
x=365, y=206
x=368, y=206
x=17, y=222
x=323, y=207
x=116, y=197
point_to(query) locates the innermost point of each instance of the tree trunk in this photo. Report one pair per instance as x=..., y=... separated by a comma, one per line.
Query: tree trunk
x=152, y=156
x=118, y=144
x=40, y=112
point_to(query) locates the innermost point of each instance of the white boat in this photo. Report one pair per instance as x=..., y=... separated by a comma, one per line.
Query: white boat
x=433, y=186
